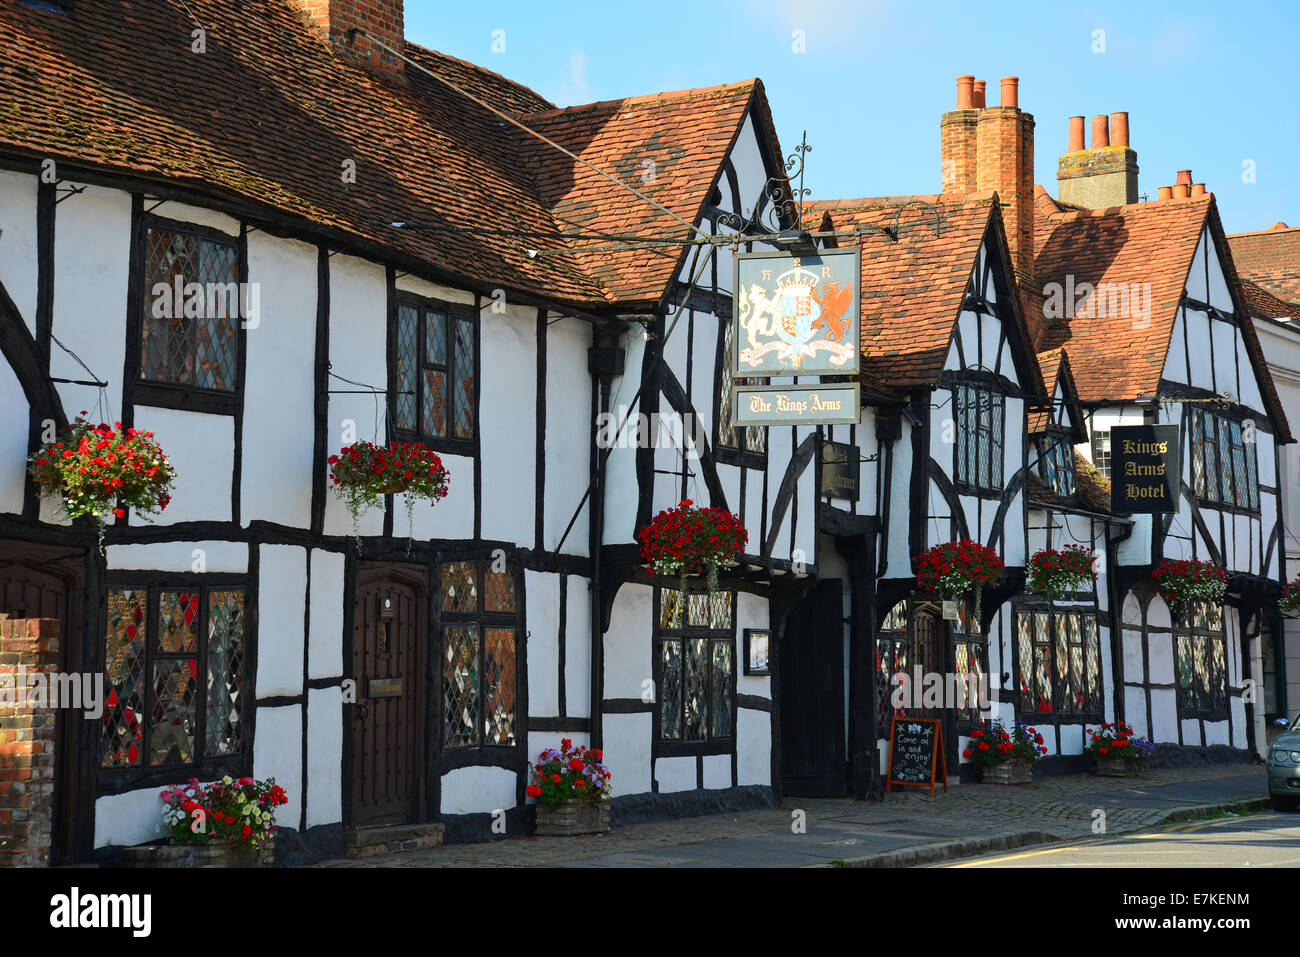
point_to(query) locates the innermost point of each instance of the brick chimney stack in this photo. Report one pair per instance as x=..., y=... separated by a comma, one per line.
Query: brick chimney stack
x=382, y=20
x=992, y=148
x=1105, y=175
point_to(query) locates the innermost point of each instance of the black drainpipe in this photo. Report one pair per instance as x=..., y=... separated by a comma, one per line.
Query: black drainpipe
x=1116, y=618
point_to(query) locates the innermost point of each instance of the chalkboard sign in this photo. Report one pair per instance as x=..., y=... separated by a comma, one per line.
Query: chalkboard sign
x=916, y=753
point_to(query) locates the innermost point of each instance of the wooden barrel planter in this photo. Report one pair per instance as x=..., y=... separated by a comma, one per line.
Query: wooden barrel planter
x=1113, y=765
x=215, y=854
x=1008, y=772
x=571, y=818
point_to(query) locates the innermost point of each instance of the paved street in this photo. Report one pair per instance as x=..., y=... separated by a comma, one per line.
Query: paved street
x=857, y=833
x=1258, y=840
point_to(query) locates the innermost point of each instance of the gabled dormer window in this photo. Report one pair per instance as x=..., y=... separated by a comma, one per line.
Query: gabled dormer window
x=1056, y=463
x=1224, y=465
x=980, y=419
x=435, y=373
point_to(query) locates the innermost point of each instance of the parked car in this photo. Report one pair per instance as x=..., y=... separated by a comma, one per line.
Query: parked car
x=1284, y=768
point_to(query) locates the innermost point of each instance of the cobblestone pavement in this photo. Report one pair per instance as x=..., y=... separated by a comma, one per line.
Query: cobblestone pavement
x=840, y=829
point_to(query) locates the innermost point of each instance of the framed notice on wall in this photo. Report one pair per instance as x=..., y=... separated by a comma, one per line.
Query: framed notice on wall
x=1144, y=468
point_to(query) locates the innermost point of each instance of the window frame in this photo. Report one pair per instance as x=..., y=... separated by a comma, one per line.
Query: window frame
x=710, y=744
x=483, y=620
x=955, y=633
x=1183, y=628
x=1059, y=680
x=454, y=313
x=1056, y=444
x=1100, y=452
x=724, y=382
x=113, y=780
x=178, y=395
x=1220, y=436
x=992, y=479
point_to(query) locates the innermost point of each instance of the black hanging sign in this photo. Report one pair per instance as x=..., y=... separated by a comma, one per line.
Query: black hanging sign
x=1144, y=468
x=916, y=753
x=841, y=471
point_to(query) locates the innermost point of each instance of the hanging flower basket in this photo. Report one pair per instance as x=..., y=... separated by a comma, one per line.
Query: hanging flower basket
x=1058, y=573
x=1189, y=580
x=688, y=540
x=100, y=472
x=954, y=568
x=1290, y=600
x=572, y=789
x=363, y=473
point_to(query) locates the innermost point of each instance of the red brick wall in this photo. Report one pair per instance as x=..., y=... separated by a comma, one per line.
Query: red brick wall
x=1271, y=260
x=26, y=746
x=1004, y=161
x=381, y=19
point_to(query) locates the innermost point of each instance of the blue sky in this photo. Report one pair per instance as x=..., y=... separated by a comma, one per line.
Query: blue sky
x=1207, y=86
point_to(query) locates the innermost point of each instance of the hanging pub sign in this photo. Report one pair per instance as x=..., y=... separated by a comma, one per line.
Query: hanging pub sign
x=1144, y=468
x=797, y=313
x=831, y=404
x=841, y=471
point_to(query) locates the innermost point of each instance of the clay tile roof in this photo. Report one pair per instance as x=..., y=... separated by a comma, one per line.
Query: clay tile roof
x=266, y=118
x=670, y=146
x=1092, y=490
x=1265, y=305
x=912, y=285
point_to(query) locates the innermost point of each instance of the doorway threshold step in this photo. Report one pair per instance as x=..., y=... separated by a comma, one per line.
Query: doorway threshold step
x=371, y=841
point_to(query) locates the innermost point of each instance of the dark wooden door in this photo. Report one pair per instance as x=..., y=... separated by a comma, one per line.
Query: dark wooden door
x=927, y=644
x=811, y=666
x=389, y=637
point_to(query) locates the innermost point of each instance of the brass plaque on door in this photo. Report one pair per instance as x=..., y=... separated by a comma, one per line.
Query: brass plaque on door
x=384, y=688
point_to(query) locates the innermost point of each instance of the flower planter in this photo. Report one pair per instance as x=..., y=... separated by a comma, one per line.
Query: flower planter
x=572, y=818
x=1008, y=772
x=215, y=854
x=1113, y=765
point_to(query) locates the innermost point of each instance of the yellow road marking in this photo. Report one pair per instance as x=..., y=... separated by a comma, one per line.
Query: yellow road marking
x=1014, y=857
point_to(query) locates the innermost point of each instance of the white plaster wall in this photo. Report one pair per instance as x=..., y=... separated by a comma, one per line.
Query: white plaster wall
x=281, y=595
x=621, y=491
x=1071, y=740
x=92, y=251
x=1238, y=711
x=751, y=612
x=753, y=747
x=805, y=529
x=134, y=817
x=18, y=271
x=508, y=420
x=675, y=774
x=405, y=282
x=543, y=596
x=1191, y=729
x=704, y=387
x=1164, y=716
x=627, y=751
x=277, y=753
x=324, y=751
x=13, y=438
x=325, y=638
x=180, y=556
x=450, y=517
x=1220, y=298
x=279, y=386
x=577, y=648
x=627, y=643
x=478, y=790
x=201, y=449
x=1049, y=738
x=717, y=770
x=200, y=216
x=568, y=414
x=1161, y=657
x=358, y=344
x=1135, y=711
x=1216, y=732
x=751, y=174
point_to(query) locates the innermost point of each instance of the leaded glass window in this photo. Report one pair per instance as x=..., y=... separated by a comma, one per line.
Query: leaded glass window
x=480, y=633
x=755, y=437
x=433, y=381
x=1057, y=463
x=190, y=339
x=1101, y=451
x=1058, y=656
x=893, y=655
x=696, y=643
x=980, y=419
x=173, y=666
x=1224, y=464
x=1201, y=661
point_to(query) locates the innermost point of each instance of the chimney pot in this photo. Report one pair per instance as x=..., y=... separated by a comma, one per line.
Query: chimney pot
x=1184, y=177
x=1010, y=91
x=1076, y=134
x=1166, y=192
x=966, y=92
x=1119, y=129
x=1100, y=131
x=1181, y=190
x=979, y=94
x=1198, y=189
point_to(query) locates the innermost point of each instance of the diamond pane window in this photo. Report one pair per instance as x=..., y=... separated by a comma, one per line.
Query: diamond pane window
x=192, y=339
x=480, y=655
x=433, y=372
x=696, y=665
x=1060, y=674
x=755, y=437
x=979, y=416
x=174, y=661
x=1201, y=663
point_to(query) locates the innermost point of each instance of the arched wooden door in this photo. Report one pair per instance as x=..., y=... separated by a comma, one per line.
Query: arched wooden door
x=389, y=640
x=928, y=639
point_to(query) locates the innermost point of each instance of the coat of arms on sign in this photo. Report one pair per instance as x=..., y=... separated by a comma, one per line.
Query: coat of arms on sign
x=790, y=316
